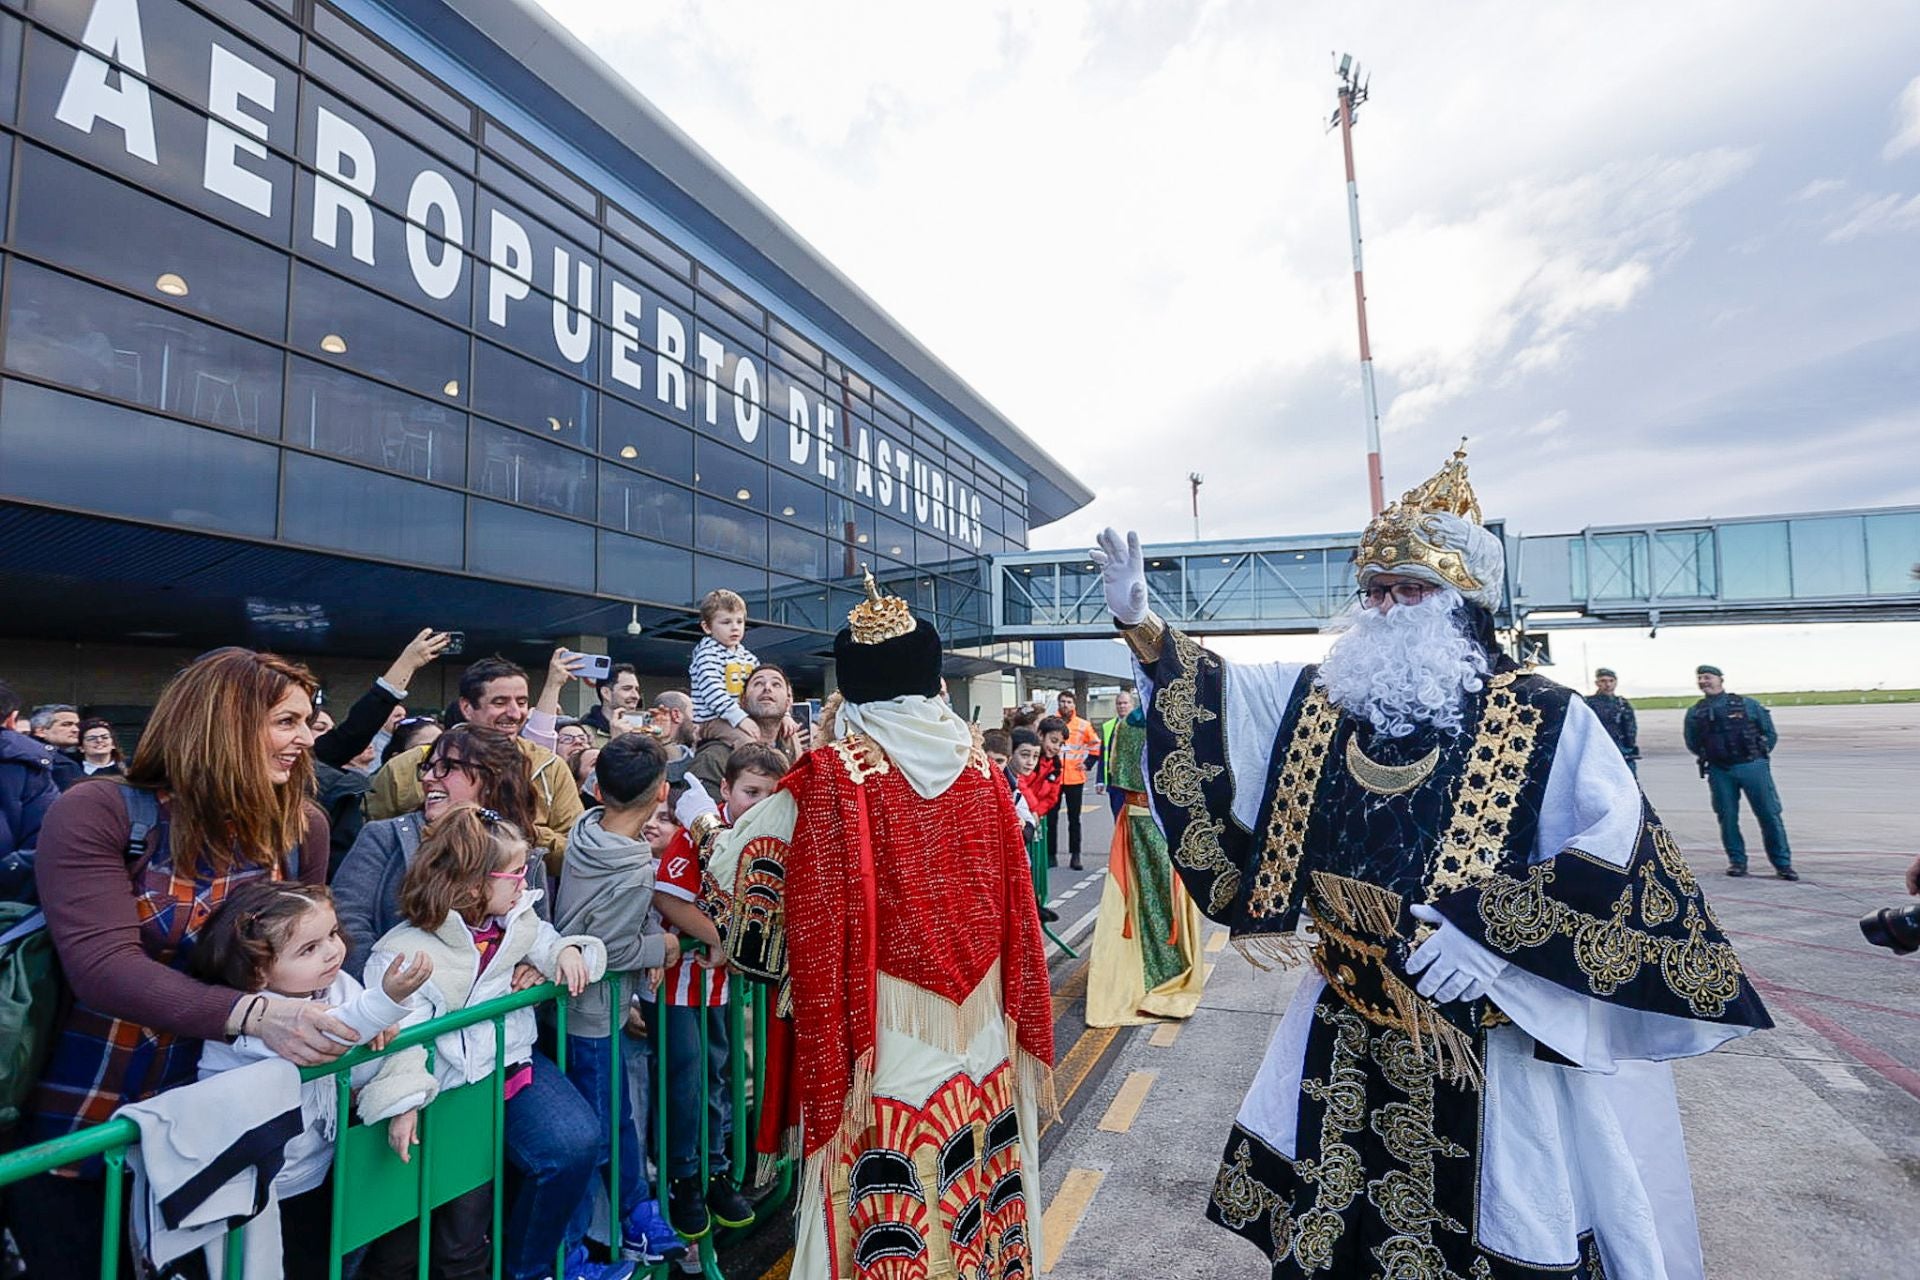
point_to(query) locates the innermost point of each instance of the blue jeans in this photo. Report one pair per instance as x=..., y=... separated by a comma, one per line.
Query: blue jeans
x=1727, y=782
x=590, y=1068
x=683, y=1091
x=555, y=1145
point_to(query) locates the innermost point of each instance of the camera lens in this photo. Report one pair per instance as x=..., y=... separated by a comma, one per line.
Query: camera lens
x=1895, y=928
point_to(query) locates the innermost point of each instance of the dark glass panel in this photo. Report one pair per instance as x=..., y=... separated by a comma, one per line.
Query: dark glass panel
x=517, y=543
x=634, y=503
x=338, y=322
x=796, y=551
x=642, y=238
x=390, y=68
x=533, y=301
x=640, y=439
x=641, y=570
x=518, y=468
x=338, y=413
x=10, y=36
x=532, y=396
x=729, y=297
x=797, y=500
x=68, y=331
x=330, y=504
x=75, y=452
x=373, y=240
x=537, y=167
x=710, y=573
x=731, y=475
x=726, y=529
x=253, y=191
x=453, y=148
x=107, y=229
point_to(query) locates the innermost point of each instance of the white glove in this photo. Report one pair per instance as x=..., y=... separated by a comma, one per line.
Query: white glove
x=1457, y=967
x=1123, y=573
x=693, y=802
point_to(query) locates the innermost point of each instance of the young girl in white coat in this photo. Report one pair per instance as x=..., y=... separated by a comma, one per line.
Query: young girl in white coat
x=281, y=940
x=468, y=909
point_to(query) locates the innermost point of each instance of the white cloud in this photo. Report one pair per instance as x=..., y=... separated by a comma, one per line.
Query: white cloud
x=1876, y=215
x=1906, y=130
x=1820, y=187
x=1123, y=221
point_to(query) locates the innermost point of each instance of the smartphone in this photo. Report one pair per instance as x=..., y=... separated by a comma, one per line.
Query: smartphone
x=803, y=714
x=456, y=644
x=598, y=666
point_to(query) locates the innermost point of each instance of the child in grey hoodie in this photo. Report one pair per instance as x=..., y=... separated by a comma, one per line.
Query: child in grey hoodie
x=607, y=891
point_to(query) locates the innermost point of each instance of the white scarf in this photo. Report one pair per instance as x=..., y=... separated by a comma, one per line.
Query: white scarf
x=923, y=737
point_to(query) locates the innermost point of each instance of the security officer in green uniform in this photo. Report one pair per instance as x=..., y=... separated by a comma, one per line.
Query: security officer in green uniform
x=1731, y=737
x=1616, y=716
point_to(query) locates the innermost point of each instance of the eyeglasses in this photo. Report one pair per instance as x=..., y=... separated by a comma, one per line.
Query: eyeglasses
x=440, y=766
x=520, y=875
x=1402, y=592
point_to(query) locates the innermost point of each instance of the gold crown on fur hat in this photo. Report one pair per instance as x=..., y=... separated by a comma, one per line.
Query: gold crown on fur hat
x=879, y=617
x=1404, y=534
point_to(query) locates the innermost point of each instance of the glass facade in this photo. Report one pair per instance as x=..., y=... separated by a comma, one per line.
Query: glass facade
x=285, y=284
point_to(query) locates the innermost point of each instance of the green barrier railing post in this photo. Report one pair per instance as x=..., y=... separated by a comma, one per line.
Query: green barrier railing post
x=235, y=1254
x=662, y=1178
x=115, y=1190
x=617, y=1078
x=1039, y=852
x=560, y=1060
x=424, y=1256
x=737, y=1145
x=499, y=1144
x=337, y=1213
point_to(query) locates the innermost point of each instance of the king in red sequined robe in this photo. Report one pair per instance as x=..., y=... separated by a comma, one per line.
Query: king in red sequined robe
x=900, y=931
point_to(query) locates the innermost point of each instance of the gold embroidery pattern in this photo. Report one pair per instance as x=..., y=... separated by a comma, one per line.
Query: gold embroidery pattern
x=1611, y=951
x=1405, y=1197
x=1336, y=1176
x=1388, y=779
x=1241, y=1197
x=1181, y=778
x=1483, y=808
x=1299, y=780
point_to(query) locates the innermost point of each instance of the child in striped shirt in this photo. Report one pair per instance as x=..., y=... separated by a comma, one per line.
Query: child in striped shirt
x=719, y=670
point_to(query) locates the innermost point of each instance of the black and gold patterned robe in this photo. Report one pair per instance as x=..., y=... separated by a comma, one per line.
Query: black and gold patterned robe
x=1376, y=1141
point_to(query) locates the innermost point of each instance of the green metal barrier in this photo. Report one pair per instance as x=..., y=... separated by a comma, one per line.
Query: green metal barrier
x=1038, y=854
x=461, y=1136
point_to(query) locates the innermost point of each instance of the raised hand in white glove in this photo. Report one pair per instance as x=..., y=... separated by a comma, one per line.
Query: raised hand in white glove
x=693, y=802
x=1123, y=572
x=1455, y=966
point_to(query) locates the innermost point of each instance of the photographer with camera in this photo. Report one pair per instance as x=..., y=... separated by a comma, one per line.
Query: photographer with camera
x=1897, y=928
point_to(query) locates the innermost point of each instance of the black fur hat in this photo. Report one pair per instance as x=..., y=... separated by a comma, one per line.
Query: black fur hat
x=885, y=652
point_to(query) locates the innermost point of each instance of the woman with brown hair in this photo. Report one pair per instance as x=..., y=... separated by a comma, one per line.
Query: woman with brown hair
x=129, y=873
x=467, y=764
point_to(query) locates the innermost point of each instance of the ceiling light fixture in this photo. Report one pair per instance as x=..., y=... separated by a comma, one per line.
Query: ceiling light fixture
x=452, y=388
x=744, y=495
x=555, y=423
x=171, y=284
x=628, y=451
x=334, y=345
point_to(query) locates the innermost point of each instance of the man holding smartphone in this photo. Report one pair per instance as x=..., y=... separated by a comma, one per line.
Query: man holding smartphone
x=619, y=692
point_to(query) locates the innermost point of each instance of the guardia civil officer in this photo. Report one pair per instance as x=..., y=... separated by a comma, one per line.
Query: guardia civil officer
x=1732, y=737
x=1616, y=716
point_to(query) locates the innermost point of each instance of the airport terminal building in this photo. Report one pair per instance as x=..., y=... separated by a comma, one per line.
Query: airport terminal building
x=326, y=319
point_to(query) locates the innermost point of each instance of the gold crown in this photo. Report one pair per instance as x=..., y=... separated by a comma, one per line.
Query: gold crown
x=1403, y=533
x=879, y=617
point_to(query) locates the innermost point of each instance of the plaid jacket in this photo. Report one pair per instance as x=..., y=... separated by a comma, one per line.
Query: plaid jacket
x=99, y=1062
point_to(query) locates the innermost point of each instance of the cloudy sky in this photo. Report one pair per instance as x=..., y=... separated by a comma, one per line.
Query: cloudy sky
x=1658, y=261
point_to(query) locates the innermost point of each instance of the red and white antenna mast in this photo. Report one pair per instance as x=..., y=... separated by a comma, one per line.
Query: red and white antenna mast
x=1353, y=92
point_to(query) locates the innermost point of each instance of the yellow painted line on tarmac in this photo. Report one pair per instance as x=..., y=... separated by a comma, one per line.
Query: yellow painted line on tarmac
x=1126, y=1104
x=1216, y=942
x=1165, y=1034
x=1062, y=1217
x=1073, y=1069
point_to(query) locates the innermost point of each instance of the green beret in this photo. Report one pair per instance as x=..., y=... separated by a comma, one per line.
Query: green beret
x=1605, y=671
x=1705, y=670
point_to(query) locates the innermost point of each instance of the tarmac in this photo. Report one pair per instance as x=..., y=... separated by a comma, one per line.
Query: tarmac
x=1804, y=1141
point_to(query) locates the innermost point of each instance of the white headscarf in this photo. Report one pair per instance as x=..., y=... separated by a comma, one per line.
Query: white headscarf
x=924, y=738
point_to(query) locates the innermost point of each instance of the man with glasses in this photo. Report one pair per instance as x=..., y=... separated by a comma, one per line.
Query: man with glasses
x=493, y=695
x=1506, y=947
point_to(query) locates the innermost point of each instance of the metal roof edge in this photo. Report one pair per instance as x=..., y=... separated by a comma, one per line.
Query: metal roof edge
x=530, y=36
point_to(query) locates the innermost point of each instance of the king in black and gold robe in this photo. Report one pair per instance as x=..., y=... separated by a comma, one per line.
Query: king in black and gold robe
x=1532, y=1132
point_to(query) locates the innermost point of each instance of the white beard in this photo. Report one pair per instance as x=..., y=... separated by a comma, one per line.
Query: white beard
x=1409, y=666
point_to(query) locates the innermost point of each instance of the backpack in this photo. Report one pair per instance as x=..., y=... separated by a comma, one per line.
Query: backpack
x=29, y=1001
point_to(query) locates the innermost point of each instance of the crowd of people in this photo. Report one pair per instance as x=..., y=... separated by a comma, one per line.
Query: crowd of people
x=262, y=883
